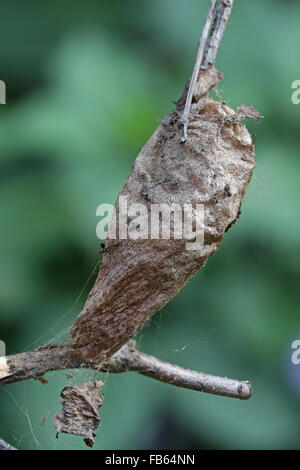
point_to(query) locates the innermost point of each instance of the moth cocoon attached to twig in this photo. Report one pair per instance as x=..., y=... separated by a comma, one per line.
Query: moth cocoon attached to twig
x=138, y=277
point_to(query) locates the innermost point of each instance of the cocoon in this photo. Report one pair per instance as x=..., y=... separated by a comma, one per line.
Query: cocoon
x=138, y=277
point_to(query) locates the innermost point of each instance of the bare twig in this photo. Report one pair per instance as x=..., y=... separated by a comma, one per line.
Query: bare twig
x=5, y=446
x=35, y=364
x=200, y=53
x=216, y=33
x=128, y=358
x=207, y=52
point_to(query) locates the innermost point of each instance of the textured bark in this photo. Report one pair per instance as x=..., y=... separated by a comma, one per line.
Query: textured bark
x=34, y=364
x=138, y=277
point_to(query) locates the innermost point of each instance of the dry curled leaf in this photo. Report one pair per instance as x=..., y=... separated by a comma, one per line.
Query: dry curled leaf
x=138, y=277
x=79, y=414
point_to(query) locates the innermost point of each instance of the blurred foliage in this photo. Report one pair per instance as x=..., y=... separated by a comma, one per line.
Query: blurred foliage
x=87, y=84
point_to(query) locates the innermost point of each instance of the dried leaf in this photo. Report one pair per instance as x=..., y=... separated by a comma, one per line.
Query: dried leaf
x=80, y=415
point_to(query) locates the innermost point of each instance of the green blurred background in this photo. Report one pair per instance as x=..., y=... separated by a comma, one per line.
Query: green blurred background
x=87, y=83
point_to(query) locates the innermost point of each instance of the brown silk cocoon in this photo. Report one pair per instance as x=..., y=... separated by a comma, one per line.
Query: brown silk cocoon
x=138, y=277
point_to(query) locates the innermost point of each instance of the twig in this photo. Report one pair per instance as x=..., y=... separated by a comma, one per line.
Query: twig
x=5, y=446
x=207, y=52
x=128, y=358
x=200, y=53
x=35, y=364
x=216, y=33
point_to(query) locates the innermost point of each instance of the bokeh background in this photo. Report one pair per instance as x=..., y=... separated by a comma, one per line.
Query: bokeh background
x=87, y=83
